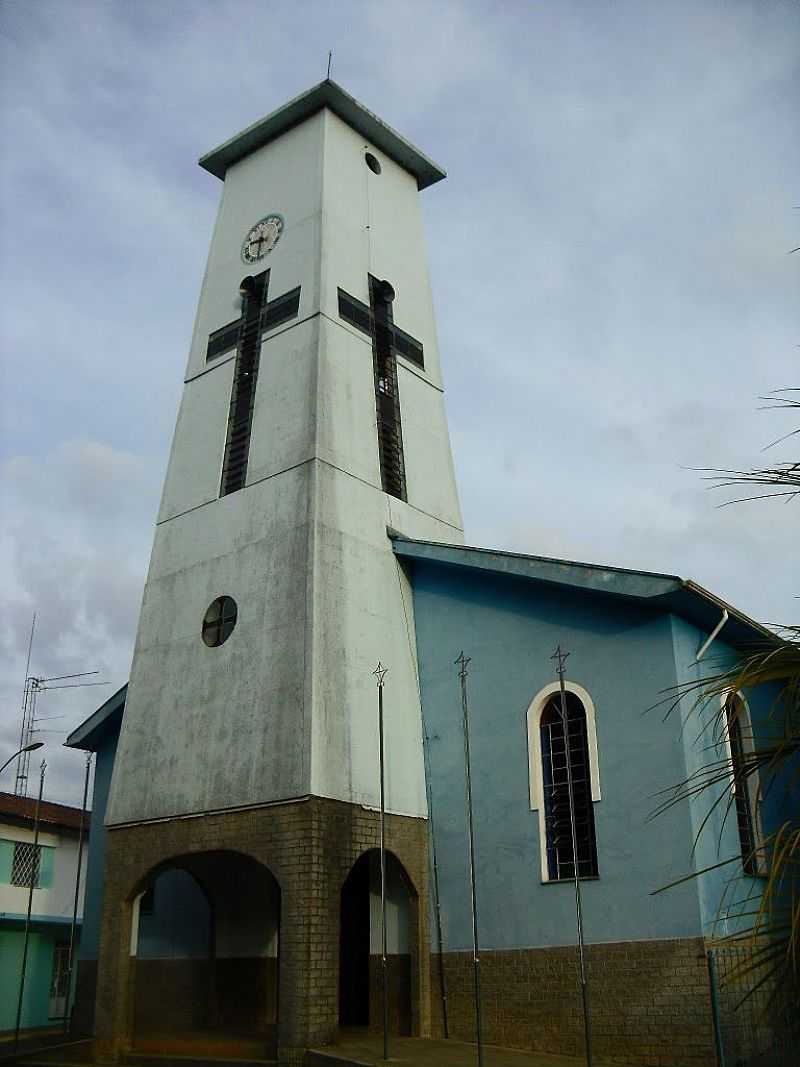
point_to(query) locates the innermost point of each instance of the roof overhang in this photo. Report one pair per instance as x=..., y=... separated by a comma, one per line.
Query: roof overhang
x=662, y=592
x=326, y=94
x=92, y=731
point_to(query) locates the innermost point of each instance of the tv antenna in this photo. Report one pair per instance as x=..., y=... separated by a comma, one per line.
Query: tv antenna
x=33, y=687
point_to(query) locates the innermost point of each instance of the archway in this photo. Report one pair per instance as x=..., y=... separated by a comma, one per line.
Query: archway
x=205, y=939
x=360, y=970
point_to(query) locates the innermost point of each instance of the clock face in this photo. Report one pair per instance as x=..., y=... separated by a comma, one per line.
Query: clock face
x=262, y=238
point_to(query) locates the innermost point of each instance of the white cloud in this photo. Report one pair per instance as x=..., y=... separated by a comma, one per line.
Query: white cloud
x=608, y=257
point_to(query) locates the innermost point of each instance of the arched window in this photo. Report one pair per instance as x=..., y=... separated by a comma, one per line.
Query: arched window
x=744, y=781
x=547, y=750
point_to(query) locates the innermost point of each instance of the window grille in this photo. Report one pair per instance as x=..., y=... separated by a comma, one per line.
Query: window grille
x=400, y=342
x=59, y=976
x=387, y=401
x=734, y=715
x=558, y=829
x=282, y=309
x=223, y=340
x=354, y=312
x=27, y=864
x=277, y=311
x=245, y=377
x=218, y=622
x=408, y=346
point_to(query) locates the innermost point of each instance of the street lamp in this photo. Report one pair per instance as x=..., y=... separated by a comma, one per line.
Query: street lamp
x=28, y=748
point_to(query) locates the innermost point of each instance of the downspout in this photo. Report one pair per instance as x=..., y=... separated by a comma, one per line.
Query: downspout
x=712, y=636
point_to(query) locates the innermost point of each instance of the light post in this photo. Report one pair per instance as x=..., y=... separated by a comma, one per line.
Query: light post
x=27, y=748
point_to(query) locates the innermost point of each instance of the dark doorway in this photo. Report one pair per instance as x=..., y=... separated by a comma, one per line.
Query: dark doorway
x=206, y=950
x=354, y=947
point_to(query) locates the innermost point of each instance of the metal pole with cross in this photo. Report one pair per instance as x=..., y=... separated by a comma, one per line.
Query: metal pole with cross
x=33, y=879
x=462, y=662
x=71, y=957
x=380, y=673
x=560, y=658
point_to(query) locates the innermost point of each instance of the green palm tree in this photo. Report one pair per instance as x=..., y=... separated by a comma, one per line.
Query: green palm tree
x=771, y=930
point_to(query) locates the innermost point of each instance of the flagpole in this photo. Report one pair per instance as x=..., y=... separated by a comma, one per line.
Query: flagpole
x=561, y=657
x=380, y=674
x=462, y=662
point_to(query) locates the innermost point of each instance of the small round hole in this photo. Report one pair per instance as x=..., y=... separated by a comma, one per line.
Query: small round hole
x=219, y=621
x=372, y=163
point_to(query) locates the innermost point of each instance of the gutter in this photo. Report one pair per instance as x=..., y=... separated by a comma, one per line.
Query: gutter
x=712, y=636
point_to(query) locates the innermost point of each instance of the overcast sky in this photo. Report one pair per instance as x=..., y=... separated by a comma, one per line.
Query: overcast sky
x=609, y=258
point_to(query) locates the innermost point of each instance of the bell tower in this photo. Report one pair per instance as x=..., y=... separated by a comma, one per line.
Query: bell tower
x=311, y=427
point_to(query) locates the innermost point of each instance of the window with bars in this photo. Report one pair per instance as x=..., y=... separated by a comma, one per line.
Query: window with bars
x=744, y=781
x=219, y=621
x=557, y=752
x=243, y=392
x=274, y=313
x=26, y=865
x=400, y=342
x=387, y=399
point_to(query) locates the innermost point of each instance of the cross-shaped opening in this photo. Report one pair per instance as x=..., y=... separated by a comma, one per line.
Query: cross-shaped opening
x=388, y=341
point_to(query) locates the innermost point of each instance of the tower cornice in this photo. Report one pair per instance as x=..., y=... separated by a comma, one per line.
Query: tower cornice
x=327, y=94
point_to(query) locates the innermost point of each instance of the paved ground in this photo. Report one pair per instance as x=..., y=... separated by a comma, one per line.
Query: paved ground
x=367, y=1049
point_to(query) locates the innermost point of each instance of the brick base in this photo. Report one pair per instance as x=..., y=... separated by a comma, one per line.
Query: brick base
x=309, y=847
x=649, y=1001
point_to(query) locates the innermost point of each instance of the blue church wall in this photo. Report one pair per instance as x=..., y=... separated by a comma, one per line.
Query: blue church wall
x=179, y=926
x=623, y=656
x=727, y=892
x=93, y=900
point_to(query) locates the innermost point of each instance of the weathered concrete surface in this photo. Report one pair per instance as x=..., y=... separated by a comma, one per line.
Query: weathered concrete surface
x=286, y=706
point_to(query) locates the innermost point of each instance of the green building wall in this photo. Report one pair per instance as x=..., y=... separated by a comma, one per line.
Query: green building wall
x=39, y=970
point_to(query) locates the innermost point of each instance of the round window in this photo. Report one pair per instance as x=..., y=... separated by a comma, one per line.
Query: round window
x=219, y=621
x=372, y=163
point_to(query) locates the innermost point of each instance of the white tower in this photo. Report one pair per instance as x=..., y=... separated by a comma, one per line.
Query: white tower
x=312, y=424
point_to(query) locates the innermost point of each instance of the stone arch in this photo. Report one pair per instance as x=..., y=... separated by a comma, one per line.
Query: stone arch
x=360, y=944
x=205, y=954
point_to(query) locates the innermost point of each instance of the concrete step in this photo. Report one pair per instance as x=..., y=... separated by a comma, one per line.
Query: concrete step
x=173, y=1059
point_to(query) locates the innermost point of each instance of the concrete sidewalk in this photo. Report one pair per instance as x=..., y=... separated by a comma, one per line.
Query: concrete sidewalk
x=356, y=1050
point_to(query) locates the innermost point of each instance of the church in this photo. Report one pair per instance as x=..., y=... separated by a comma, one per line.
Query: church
x=310, y=530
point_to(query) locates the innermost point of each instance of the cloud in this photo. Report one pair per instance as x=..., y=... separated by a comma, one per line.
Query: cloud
x=608, y=259
x=77, y=529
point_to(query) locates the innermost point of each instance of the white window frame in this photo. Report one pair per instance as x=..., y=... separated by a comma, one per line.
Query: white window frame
x=753, y=779
x=535, y=776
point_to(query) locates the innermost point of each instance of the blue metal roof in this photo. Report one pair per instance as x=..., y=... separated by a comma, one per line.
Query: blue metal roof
x=91, y=733
x=326, y=94
x=665, y=592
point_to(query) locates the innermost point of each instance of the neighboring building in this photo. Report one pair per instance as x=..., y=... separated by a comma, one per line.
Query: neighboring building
x=52, y=864
x=309, y=528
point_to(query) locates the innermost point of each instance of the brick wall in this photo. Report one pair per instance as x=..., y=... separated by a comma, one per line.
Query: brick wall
x=309, y=847
x=649, y=1001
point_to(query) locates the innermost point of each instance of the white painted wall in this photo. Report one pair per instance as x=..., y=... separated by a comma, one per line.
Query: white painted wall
x=287, y=706
x=59, y=899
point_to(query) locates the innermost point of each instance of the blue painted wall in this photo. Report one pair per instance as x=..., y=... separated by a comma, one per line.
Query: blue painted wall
x=95, y=865
x=624, y=657
x=180, y=924
x=726, y=893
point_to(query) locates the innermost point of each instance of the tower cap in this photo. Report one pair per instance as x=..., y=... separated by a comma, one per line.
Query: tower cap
x=326, y=94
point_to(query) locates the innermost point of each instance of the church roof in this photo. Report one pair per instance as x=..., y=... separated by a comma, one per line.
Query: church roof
x=326, y=94
x=665, y=592
x=92, y=731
